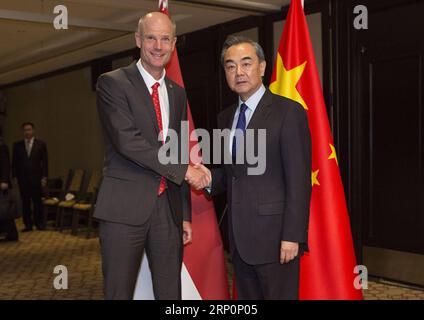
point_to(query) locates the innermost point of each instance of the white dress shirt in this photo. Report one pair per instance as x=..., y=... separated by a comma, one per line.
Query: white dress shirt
x=163, y=94
x=251, y=104
x=28, y=145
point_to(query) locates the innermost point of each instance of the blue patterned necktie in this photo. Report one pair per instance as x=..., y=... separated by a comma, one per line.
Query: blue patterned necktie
x=241, y=124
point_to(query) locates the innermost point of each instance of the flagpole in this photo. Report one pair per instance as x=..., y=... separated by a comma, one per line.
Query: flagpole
x=204, y=273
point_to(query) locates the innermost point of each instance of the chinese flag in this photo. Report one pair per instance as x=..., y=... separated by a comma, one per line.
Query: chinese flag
x=327, y=271
x=204, y=258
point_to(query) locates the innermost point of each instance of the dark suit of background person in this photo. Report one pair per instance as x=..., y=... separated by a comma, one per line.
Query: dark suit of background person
x=6, y=226
x=30, y=170
x=133, y=216
x=266, y=209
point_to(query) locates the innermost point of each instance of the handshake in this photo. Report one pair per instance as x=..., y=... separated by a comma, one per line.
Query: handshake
x=198, y=176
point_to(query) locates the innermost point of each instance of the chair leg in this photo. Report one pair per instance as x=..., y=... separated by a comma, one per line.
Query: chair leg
x=58, y=217
x=62, y=218
x=47, y=211
x=45, y=214
x=75, y=221
x=89, y=223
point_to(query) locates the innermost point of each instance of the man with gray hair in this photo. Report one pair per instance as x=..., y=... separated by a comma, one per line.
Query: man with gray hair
x=268, y=213
x=143, y=205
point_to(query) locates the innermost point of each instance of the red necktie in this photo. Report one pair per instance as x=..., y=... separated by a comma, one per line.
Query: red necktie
x=156, y=104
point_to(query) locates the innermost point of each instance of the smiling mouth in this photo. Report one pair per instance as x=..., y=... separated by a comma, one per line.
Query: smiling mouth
x=157, y=56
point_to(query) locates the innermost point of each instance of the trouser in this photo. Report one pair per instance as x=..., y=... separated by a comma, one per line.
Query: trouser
x=32, y=193
x=9, y=227
x=122, y=248
x=271, y=281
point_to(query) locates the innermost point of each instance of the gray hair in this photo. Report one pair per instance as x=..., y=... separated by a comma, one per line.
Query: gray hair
x=141, y=25
x=235, y=40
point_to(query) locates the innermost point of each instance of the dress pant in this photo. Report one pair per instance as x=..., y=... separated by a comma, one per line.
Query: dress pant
x=122, y=248
x=31, y=192
x=9, y=227
x=271, y=281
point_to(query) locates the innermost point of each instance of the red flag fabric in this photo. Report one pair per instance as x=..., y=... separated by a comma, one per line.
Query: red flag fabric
x=204, y=257
x=163, y=6
x=327, y=271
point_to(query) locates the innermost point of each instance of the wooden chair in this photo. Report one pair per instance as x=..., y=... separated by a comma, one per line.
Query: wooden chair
x=52, y=193
x=65, y=206
x=84, y=208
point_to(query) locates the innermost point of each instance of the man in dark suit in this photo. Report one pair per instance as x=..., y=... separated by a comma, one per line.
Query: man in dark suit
x=268, y=212
x=7, y=226
x=142, y=203
x=30, y=168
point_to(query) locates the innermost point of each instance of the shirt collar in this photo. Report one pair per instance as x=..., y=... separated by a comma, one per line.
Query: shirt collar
x=254, y=99
x=147, y=77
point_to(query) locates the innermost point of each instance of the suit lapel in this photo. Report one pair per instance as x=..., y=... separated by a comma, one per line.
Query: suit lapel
x=143, y=92
x=261, y=112
x=257, y=121
x=228, y=123
x=33, y=149
x=173, y=123
x=23, y=148
x=34, y=146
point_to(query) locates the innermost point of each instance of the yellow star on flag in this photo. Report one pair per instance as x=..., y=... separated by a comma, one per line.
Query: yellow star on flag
x=285, y=84
x=315, y=178
x=333, y=154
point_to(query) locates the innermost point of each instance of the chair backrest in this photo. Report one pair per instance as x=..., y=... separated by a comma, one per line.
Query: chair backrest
x=61, y=181
x=94, y=180
x=65, y=175
x=77, y=179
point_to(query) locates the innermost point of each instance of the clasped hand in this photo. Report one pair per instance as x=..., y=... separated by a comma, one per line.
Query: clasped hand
x=198, y=176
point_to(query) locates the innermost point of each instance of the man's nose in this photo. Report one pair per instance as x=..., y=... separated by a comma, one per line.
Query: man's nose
x=239, y=70
x=158, y=44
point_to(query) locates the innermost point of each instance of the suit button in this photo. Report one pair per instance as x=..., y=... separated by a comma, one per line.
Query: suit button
x=171, y=176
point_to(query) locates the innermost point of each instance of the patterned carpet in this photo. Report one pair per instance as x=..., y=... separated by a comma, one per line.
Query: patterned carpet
x=26, y=269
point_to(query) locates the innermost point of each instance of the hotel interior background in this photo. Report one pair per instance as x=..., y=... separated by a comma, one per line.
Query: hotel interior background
x=372, y=83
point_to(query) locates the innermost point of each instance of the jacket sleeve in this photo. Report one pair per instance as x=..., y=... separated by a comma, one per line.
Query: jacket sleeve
x=219, y=181
x=15, y=168
x=219, y=176
x=297, y=156
x=4, y=164
x=185, y=187
x=186, y=200
x=118, y=124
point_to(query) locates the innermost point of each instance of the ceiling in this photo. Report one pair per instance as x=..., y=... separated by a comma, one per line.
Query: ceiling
x=30, y=45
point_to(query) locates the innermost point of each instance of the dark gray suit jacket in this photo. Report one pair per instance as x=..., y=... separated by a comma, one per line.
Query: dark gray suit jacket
x=4, y=163
x=132, y=171
x=266, y=209
x=30, y=170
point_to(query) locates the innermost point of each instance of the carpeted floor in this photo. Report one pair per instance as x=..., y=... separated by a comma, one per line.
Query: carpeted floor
x=27, y=269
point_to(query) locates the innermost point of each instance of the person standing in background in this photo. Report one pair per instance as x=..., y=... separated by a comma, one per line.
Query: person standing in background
x=30, y=168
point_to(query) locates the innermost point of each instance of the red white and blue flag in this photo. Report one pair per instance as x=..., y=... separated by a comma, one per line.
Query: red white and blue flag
x=203, y=274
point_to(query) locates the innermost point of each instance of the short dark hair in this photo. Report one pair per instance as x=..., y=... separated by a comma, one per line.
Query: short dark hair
x=235, y=40
x=28, y=124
